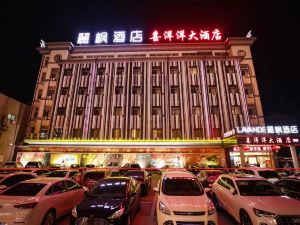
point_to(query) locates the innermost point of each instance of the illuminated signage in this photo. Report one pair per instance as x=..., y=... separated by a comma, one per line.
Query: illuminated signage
x=117, y=37
x=268, y=130
x=268, y=140
x=266, y=148
x=229, y=133
x=186, y=35
x=136, y=36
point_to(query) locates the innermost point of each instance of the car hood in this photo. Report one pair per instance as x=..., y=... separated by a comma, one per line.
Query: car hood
x=280, y=205
x=99, y=207
x=186, y=203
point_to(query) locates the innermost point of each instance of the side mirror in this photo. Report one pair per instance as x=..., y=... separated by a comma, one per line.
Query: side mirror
x=233, y=191
x=207, y=190
x=3, y=187
x=156, y=189
x=85, y=189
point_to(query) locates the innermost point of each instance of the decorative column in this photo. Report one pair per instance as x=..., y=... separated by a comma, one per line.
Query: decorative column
x=294, y=156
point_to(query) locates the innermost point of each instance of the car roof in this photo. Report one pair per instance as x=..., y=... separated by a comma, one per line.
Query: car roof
x=20, y=173
x=46, y=180
x=183, y=174
x=242, y=177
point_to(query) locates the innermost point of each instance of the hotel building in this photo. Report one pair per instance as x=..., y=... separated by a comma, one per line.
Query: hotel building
x=156, y=104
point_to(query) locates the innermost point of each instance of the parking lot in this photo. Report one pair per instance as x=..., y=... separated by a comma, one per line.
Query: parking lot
x=146, y=216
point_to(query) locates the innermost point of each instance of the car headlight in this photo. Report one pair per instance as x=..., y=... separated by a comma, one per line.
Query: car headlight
x=210, y=207
x=74, y=212
x=261, y=213
x=117, y=214
x=163, y=208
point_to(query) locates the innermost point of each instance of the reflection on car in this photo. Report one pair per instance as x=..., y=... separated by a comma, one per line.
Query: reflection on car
x=113, y=200
x=290, y=187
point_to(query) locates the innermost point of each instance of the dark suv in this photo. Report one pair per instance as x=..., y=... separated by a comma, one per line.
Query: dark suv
x=34, y=165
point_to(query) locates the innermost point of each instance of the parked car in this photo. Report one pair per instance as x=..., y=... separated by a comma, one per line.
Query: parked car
x=15, y=178
x=208, y=177
x=37, y=171
x=66, y=174
x=254, y=200
x=290, y=187
x=182, y=198
x=39, y=201
x=142, y=177
x=90, y=178
x=75, y=166
x=270, y=174
x=32, y=164
x=90, y=166
x=128, y=166
x=116, y=198
x=13, y=164
x=194, y=169
x=53, y=167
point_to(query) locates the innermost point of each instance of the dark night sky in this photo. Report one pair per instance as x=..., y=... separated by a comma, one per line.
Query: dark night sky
x=274, y=23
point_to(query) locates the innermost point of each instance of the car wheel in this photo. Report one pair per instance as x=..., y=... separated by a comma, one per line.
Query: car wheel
x=49, y=218
x=216, y=202
x=245, y=218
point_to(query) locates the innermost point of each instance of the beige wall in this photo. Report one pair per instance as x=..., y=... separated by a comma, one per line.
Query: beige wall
x=11, y=132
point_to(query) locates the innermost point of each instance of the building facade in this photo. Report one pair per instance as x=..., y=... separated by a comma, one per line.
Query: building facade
x=14, y=117
x=156, y=103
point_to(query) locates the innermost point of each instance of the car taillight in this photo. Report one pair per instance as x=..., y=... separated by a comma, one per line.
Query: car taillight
x=26, y=206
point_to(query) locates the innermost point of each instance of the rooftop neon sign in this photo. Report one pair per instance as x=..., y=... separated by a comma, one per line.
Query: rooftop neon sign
x=137, y=36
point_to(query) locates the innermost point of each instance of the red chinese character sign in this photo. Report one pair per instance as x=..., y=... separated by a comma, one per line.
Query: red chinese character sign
x=185, y=35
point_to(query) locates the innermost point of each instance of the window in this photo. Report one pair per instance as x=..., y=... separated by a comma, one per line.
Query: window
x=210, y=69
x=233, y=89
x=156, y=90
x=79, y=111
x=252, y=110
x=14, y=179
x=197, y=110
x=50, y=92
x=77, y=133
x=43, y=133
x=119, y=90
x=43, y=78
x=35, y=113
x=95, y=133
x=157, y=134
x=58, y=132
x=212, y=89
x=156, y=70
x=120, y=71
x=248, y=90
x=99, y=91
x=195, y=89
x=214, y=110
x=156, y=111
x=175, y=111
x=68, y=72
x=57, y=188
x=118, y=111
x=85, y=71
x=25, y=189
x=194, y=70
x=136, y=90
x=198, y=133
x=47, y=111
x=137, y=70
x=61, y=111
x=174, y=90
x=176, y=133
x=174, y=70
x=229, y=69
x=40, y=92
x=236, y=110
x=182, y=187
x=101, y=71
x=135, y=133
x=96, y=111
x=245, y=71
x=82, y=91
x=135, y=111
x=54, y=73
x=46, y=61
x=64, y=91
x=116, y=133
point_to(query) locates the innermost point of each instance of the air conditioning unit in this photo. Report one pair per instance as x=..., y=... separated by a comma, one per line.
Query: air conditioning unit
x=250, y=95
x=253, y=116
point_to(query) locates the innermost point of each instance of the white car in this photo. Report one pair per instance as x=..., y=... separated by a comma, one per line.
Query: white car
x=254, y=201
x=39, y=201
x=270, y=174
x=182, y=200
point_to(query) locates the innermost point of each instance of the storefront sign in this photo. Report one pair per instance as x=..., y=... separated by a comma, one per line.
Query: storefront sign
x=277, y=130
x=267, y=140
x=229, y=133
x=137, y=36
x=265, y=148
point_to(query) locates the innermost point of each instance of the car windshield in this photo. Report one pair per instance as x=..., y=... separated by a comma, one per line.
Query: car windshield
x=268, y=174
x=57, y=174
x=109, y=188
x=139, y=175
x=182, y=187
x=94, y=175
x=257, y=188
x=25, y=189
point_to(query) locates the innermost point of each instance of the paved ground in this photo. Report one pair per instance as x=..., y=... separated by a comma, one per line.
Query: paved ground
x=146, y=216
